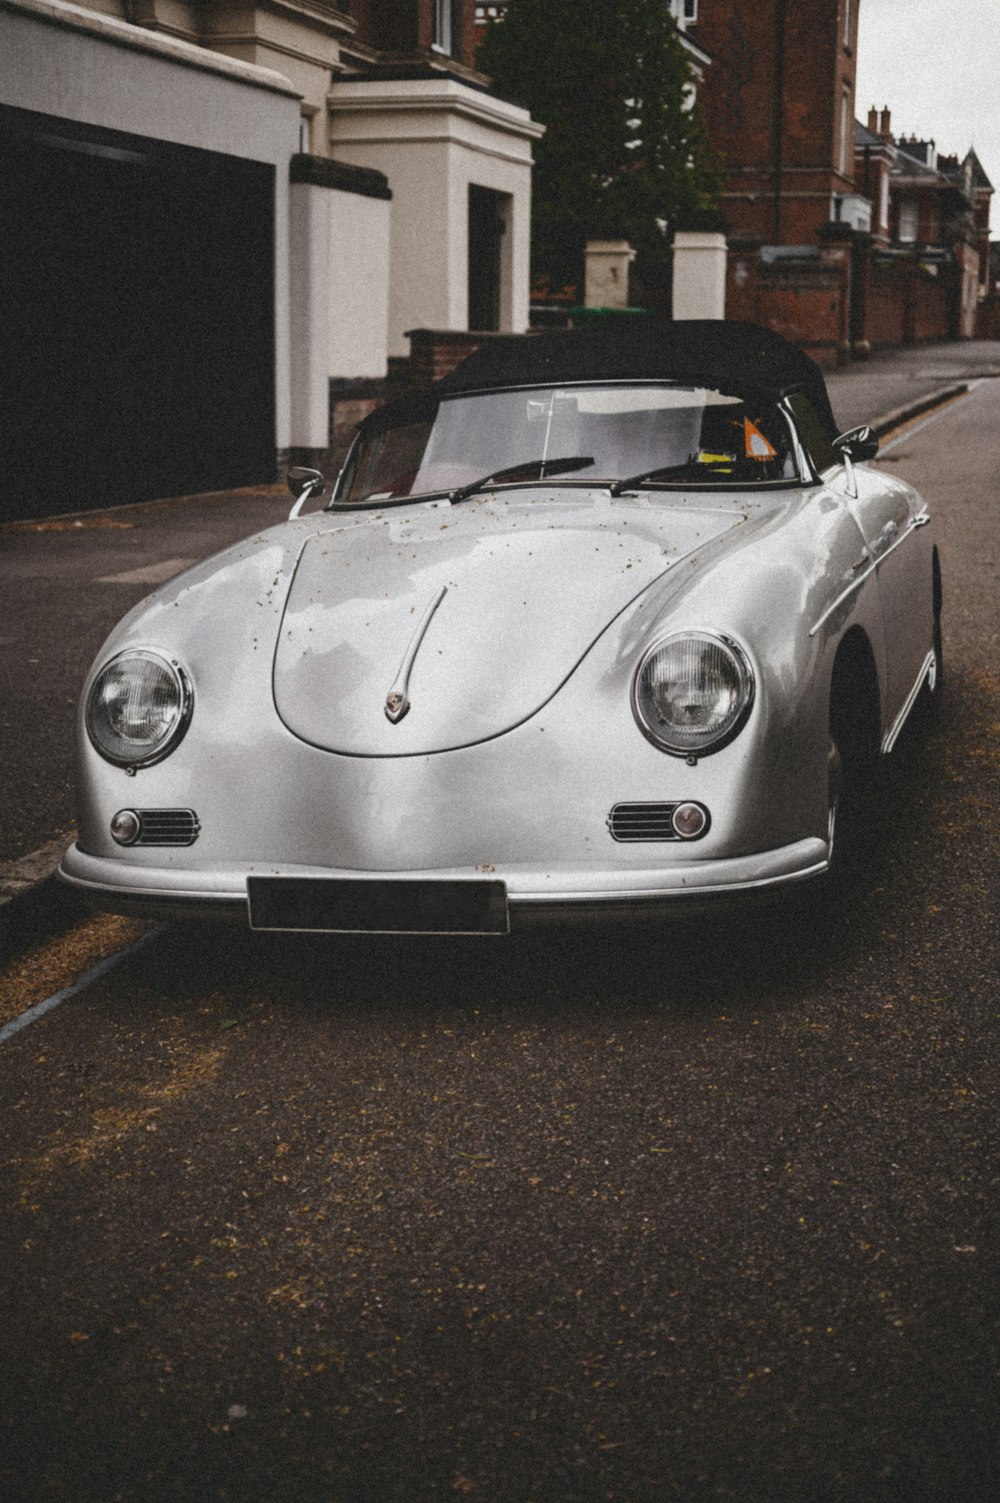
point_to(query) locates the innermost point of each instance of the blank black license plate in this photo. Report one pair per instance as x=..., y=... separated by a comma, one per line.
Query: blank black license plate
x=349, y=905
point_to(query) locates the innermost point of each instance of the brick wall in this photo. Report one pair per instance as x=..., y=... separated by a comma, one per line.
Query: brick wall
x=988, y=319
x=887, y=303
x=805, y=301
x=398, y=27
x=907, y=304
x=932, y=305
x=898, y=301
x=436, y=352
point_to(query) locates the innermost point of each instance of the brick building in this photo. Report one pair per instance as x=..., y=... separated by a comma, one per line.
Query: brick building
x=779, y=105
x=928, y=271
x=841, y=237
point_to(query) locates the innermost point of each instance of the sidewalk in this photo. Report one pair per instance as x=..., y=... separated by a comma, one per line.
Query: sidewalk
x=65, y=582
x=875, y=390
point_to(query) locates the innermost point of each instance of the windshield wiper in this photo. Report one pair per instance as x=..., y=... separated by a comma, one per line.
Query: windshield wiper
x=700, y=466
x=528, y=469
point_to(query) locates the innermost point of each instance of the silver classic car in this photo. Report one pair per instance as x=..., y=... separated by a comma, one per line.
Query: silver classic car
x=606, y=619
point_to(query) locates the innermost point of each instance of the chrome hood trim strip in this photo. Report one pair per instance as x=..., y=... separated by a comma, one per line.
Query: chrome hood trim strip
x=397, y=701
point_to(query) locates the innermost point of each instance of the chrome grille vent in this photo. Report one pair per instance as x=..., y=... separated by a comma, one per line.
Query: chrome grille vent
x=637, y=822
x=167, y=827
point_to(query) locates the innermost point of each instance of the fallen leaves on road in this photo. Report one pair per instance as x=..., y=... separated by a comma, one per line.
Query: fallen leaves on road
x=110, y=1125
x=53, y=964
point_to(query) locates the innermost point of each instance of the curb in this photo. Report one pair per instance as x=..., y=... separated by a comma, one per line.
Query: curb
x=19, y=877
x=33, y=902
x=900, y=415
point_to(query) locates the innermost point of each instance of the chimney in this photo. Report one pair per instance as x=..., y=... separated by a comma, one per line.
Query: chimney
x=873, y=120
x=884, y=129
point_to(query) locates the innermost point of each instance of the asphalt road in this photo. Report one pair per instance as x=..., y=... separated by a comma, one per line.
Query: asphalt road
x=699, y=1211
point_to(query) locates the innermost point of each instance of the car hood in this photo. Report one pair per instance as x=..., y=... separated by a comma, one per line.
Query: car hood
x=510, y=592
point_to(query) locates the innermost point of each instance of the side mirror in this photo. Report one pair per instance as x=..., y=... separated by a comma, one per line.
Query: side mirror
x=303, y=484
x=857, y=445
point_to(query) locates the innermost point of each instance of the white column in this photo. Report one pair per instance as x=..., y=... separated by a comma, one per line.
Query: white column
x=309, y=238
x=699, y=274
x=432, y=138
x=606, y=265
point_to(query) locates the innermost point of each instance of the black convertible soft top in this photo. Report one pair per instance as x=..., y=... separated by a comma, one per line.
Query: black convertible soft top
x=731, y=356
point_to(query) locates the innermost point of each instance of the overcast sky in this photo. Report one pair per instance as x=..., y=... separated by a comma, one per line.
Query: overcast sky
x=936, y=64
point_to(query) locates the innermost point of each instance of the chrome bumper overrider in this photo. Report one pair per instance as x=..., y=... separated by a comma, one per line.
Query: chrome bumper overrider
x=532, y=890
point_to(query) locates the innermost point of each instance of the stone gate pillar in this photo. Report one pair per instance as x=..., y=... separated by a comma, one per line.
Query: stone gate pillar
x=606, y=276
x=699, y=274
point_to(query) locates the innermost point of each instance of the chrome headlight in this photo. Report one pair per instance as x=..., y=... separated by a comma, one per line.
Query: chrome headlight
x=138, y=708
x=692, y=692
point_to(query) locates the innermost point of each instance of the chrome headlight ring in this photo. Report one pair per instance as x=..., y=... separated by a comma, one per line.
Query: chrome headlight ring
x=138, y=708
x=692, y=692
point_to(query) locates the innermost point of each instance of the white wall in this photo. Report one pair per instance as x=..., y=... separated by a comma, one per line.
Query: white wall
x=432, y=138
x=339, y=299
x=309, y=244
x=359, y=285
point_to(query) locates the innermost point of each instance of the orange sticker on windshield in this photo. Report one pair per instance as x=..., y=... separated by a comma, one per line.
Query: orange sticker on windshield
x=757, y=446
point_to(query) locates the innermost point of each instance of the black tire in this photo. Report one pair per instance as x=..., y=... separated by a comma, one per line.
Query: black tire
x=935, y=683
x=853, y=762
x=928, y=706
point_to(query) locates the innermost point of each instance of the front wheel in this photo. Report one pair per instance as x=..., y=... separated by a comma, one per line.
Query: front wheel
x=852, y=763
x=928, y=706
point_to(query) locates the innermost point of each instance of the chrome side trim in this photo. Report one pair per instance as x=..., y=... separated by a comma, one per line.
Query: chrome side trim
x=908, y=531
x=921, y=520
x=927, y=674
x=397, y=701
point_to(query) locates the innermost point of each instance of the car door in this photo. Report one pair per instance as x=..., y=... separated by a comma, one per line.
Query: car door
x=891, y=518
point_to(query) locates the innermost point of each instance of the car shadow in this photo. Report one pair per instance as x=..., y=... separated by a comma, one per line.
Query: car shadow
x=740, y=955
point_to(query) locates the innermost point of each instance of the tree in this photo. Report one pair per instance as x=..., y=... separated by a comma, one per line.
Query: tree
x=624, y=154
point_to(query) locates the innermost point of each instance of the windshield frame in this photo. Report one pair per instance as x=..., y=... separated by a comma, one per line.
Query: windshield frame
x=804, y=470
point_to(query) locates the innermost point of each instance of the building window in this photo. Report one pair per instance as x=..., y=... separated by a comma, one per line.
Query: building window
x=684, y=12
x=845, y=120
x=847, y=24
x=908, y=221
x=441, y=35
x=307, y=120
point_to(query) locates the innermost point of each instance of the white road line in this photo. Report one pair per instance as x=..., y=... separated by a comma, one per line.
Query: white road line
x=932, y=417
x=94, y=974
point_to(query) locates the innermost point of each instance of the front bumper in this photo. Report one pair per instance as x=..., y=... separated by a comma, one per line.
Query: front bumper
x=534, y=892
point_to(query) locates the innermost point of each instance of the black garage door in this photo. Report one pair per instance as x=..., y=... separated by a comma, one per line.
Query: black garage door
x=136, y=318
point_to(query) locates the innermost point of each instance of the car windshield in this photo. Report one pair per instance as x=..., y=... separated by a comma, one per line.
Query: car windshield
x=587, y=435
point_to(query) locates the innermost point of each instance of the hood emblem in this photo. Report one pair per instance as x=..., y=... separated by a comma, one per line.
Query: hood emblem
x=397, y=701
